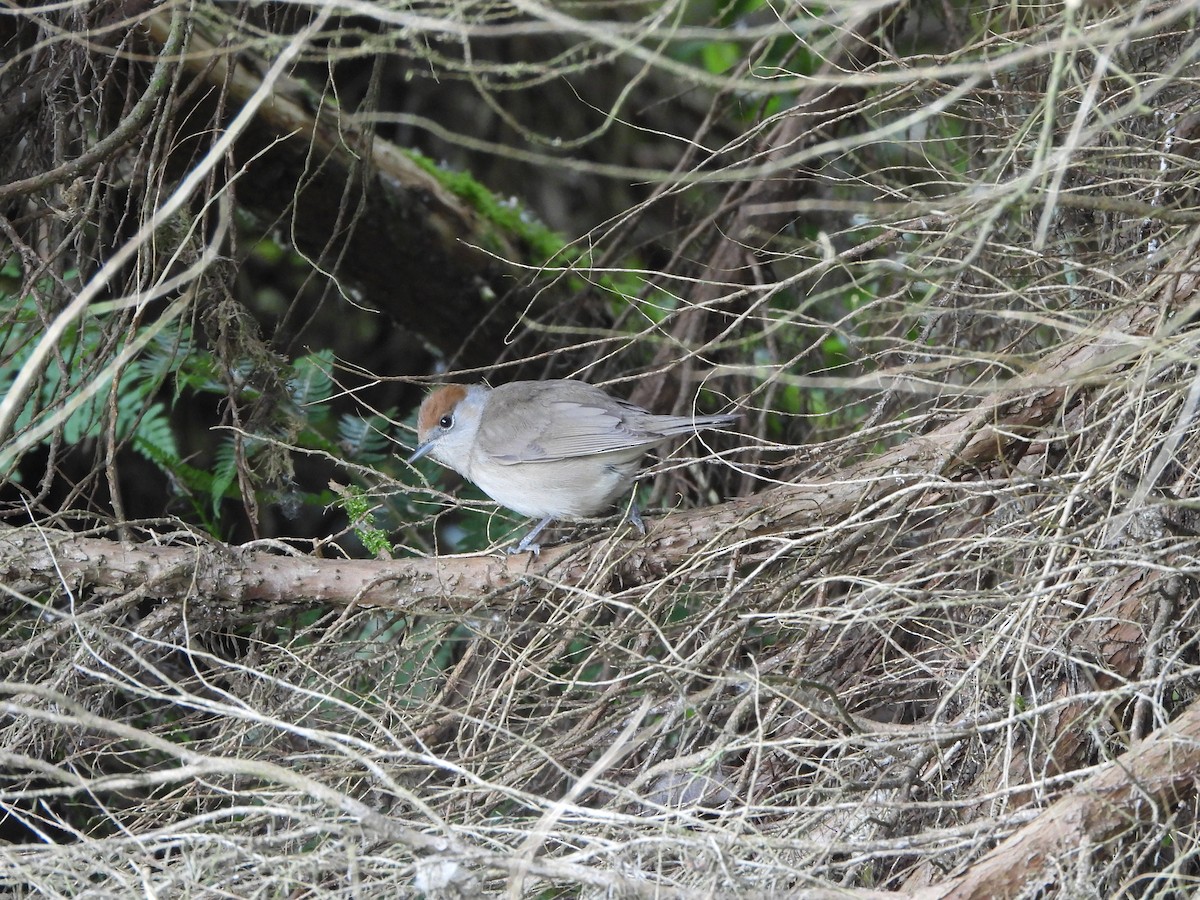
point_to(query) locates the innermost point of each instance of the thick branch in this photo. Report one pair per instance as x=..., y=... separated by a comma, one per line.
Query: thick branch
x=1139, y=788
x=363, y=208
x=31, y=560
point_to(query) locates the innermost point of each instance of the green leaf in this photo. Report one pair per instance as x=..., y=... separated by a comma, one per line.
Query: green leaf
x=224, y=471
x=364, y=439
x=312, y=379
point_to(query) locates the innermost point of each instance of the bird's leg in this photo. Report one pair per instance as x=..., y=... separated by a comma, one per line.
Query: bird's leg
x=527, y=541
x=635, y=517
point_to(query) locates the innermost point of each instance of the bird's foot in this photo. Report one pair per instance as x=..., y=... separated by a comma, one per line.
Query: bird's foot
x=527, y=542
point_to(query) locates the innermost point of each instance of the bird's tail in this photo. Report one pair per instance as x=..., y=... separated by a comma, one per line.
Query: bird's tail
x=673, y=425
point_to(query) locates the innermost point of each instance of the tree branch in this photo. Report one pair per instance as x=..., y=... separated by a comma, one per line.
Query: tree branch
x=32, y=561
x=1139, y=788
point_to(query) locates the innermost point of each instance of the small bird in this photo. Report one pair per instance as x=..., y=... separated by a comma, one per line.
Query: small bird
x=556, y=449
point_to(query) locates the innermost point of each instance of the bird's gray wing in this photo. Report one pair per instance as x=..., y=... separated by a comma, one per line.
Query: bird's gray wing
x=544, y=421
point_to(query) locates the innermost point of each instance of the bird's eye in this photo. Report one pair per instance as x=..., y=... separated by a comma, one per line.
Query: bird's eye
x=446, y=421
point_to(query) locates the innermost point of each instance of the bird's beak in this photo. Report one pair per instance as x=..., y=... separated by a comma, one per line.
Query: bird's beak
x=420, y=451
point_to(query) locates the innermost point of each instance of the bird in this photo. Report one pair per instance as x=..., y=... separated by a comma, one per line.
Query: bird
x=554, y=449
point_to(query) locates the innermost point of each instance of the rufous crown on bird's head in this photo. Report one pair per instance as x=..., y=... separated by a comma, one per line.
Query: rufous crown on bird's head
x=439, y=403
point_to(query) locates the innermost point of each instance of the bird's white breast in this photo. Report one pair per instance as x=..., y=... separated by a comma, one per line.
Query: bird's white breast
x=576, y=488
